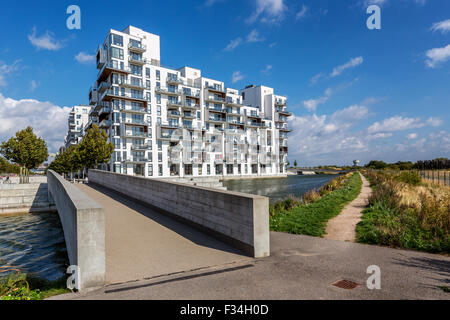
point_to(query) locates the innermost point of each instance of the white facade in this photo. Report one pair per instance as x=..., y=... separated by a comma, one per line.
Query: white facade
x=166, y=122
x=78, y=119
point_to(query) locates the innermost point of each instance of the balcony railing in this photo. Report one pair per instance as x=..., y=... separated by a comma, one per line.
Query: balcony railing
x=118, y=94
x=173, y=113
x=215, y=99
x=127, y=83
x=134, y=109
x=140, y=61
x=111, y=66
x=137, y=46
x=140, y=147
x=215, y=88
x=167, y=91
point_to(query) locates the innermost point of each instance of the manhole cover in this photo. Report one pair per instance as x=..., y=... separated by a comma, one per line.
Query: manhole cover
x=346, y=284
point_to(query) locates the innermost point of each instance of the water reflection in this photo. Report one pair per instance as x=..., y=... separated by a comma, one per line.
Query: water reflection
x=279, y=189
x=34, y=243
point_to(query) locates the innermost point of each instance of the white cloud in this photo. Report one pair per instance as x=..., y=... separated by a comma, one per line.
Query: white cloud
x=33, y=85
x=268, y=11
x=85, y=58
x=354, y=62
x=6, y=69
x=254, y=36
x=267, y=69
x=273, y=44
x=412, y=136
x=233, y=44
x=302, y=13
x=317, y=77
x=437, y=56
x=48, y=120
x=336, y=139
x=237, y=76
x=443, y=26
x=45, y=41
x=312, y=104
x=399, y=123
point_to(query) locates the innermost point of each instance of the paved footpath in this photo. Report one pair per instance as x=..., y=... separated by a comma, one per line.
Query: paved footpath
x=300, y=267
x=343, y=227
x=142, y=243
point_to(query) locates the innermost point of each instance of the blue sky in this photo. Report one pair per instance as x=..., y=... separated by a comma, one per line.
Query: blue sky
x=355, y=93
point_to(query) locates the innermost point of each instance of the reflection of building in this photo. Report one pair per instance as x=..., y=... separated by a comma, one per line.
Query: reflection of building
x=78, y=118
x=174, y=122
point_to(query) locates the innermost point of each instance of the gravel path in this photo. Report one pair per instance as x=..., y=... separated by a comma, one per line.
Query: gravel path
x=343, y=227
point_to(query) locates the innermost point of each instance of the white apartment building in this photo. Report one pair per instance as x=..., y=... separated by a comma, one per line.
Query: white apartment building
x=78, y=119
x=168, y=122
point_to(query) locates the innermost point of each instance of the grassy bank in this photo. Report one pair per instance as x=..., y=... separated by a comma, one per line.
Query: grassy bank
x=19, y=286
x=405, y=212
x=310, y=214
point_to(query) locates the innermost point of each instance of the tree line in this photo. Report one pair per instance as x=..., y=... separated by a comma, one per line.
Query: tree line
x=92, y=151
x=26, y=151
x=436, y=164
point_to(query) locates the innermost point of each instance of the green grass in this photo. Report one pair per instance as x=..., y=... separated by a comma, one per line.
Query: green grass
x=388, y=222
x=311, y=219
x=24, y=287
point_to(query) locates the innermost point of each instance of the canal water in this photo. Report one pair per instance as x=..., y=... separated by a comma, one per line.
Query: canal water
x=279, y=189
x=35, y=244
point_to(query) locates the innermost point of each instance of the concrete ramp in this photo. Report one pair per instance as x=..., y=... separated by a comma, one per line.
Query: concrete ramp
x=142, y=243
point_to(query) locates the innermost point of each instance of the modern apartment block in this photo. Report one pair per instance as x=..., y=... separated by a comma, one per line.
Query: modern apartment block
x=168, y=122
x=78, y=119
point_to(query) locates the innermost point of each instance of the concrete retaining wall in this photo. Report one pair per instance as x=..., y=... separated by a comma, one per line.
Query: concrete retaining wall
x=83, y=221
x=239, y=219
x=24, y=198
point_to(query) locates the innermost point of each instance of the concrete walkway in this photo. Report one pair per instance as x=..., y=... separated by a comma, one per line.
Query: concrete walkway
x=343, y=227
x=300, y=267
x=142, y=243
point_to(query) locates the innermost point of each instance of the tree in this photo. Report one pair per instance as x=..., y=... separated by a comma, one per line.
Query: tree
x=295, y=163
x=376, y=164
x=95, y=149
x=67, y=162
x=7, y=167
x=25, y=149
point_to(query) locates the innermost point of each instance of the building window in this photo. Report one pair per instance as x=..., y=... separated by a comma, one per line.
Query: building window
x=160, y=157
x=229, y=169
x=199, y=115
x=188, y=169
x=158, y=98
x=117, y=53
x=150, y=157
x=136, y=70
x=159, y=145
x=150, y=170
x=208, y=169
x=200, y=170
x=160, y=170
x=116, y=40
x=159, y=120
x=158, y=110
x=147, y=72
x=158, y=75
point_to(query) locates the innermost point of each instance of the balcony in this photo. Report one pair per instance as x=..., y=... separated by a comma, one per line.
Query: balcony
x=283, y=129
x=93, y=96
x=140, y=147
x=255, y=124
x=219, y=89
x=167, y=91
x=192, y=94
x=109, y=94
x=105, y=124
x=132, y=84
x=109, y=67
x=191, y=106
x=283, y=112
x=216, y=119
x=137, y=110
x=279, y=102
x=174, y=81
x=174, y=104
x=137, y=47
x=218, y=110
x=253, y=115
x=136, y=160
x=215, y=99
x=170, y=125
x=138, y=61
x=234, y=103
x=135, y=122
x=189, y=115
x=173, y=114
x=135, y=135
x=104, y=110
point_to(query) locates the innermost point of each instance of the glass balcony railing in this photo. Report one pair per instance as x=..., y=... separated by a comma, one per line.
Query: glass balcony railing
x=137, y=46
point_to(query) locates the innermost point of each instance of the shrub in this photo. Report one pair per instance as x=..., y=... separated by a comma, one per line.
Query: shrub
x=409, y=177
